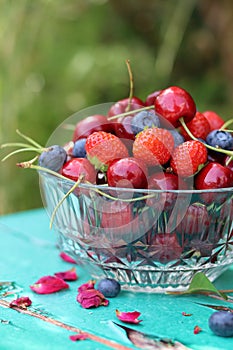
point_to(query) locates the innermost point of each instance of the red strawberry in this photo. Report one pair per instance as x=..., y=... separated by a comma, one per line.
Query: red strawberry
x=215, y=121
x=103, y=147
x=188, y=158
x=199, y=127
x=154, y=146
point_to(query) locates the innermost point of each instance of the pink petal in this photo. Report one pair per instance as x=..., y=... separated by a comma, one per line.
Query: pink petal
x=22, y=302
x=67, y=258
x=49, y=284
x=89, y=285
x=69, y=275
x=128, y=317
x=80, y=336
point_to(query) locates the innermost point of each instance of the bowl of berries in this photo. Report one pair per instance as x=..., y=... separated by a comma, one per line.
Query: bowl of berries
x=142, y=191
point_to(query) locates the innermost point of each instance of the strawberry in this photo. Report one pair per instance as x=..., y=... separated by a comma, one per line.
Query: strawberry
x=103, y=147
x=154, y=146
x=188, y=158
x=199, y=127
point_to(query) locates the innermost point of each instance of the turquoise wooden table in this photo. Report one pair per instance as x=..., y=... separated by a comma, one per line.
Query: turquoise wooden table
x=28, y=252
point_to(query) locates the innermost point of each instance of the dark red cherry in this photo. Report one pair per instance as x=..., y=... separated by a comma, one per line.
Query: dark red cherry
x=215, y=121
x=164, y=181
x=122, y=105
x=78, y=166
x=123, y=129
x=87, y=126
x=150, y=100
x=213, y=175
x=127, y=173
x=173, y=103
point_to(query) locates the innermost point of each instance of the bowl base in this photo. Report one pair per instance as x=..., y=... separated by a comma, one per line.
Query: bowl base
x=151, y=279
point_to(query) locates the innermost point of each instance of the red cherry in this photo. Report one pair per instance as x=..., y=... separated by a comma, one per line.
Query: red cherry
x=215, y=121
x=195, y=221
x=164, y=181
x=150, y=100
x=123, y=129
x=127, y=173
x=173, y=103
x=165, y=247
x=122, y=105
x=87, y=126
x=78, y=166
x=213, y=176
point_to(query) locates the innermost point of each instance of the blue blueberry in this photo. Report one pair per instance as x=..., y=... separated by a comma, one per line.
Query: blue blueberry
x=109, y=287
x=178, y=138
x=144, y=119
x=220, y=138
x=53, y=158
x=221, y=323
x=79, y=150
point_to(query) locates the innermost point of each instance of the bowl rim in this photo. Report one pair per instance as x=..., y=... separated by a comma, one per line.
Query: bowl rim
x=89, y=186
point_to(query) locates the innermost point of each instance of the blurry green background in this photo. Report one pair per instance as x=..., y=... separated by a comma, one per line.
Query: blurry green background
x=57, y=57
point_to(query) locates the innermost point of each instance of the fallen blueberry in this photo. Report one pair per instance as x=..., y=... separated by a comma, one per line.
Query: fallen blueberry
x=53, y=158
x=109, y=287
x=220, y=138
x=144, y=119
x=221, y=323
x=79, y=150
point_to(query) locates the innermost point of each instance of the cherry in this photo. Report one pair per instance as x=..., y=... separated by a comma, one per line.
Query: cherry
x=79, y=166
x=123, y=129
x=215, y=121
x=174, y=103
x=213, y=176
x=88, y=125
x=122, y=105
x=150, y=100
x=195, y=221
x=165, y=247
x=165, y=181
x=127, y=173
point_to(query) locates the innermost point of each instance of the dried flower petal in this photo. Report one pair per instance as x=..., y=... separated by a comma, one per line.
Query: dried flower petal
x=128, y=317
x=67, y=258
x=89, y=285
x=69, y=275
x=185, y=314
x=22, y=302
x=80, y=336
x=197, y=330
x=49, y=284
x=91, y=298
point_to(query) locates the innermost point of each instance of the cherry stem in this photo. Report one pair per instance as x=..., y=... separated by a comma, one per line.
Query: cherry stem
x=221, y=150
x=228, y=122
x=130, y=112
x=80, y=179
x=131, y=85
x=28, y=149
x=29, y=139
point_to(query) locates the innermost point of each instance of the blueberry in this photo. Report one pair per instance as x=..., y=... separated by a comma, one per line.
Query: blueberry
x=79, y=150
x=220, y=138
x=221, y=323
x=109, y=287
x=178, y=138
x=144, y=119
x=53, y=158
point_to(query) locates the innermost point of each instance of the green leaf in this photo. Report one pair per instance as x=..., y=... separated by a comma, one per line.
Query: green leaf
x=200, y=284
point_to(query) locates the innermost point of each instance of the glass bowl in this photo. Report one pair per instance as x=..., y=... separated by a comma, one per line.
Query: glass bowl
x=148, y=240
